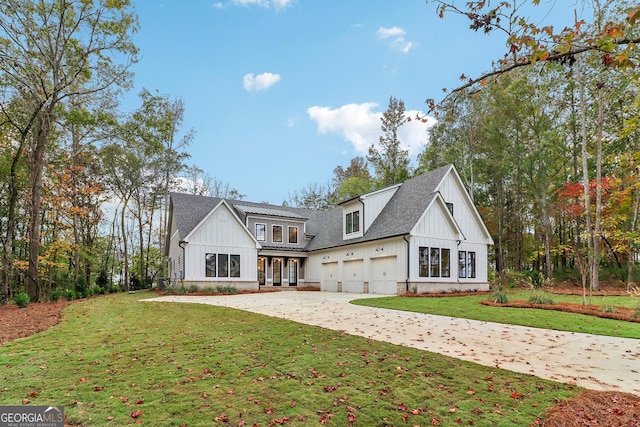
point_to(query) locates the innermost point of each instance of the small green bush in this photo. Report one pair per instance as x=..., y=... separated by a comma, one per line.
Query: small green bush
x=81, y=287
x=21, y=300
x=541, y=297
x=175, y=290
x=609, y=309
x=103, y=279
x=55, y=295
x=69, y=294
x=499, y=296
x=114, y=289
x=96, y=290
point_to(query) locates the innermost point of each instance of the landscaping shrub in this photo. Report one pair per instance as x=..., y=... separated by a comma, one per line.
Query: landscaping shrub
x=103, y=280
x=69, y=294
x=81, y=287
x=541, y=297
x=609, y=309
x=55, y=295
x=97, y=290
x=21, y=300
x=136, y=283
x=114, y=289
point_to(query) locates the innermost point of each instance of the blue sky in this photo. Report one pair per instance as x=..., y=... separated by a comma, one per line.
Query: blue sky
x=280, y=92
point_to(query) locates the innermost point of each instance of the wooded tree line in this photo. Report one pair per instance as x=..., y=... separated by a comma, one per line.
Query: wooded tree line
x=547, y=141
x=82, y=184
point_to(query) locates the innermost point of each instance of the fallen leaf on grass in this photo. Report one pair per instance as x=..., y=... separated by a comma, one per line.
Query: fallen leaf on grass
x=136, y=414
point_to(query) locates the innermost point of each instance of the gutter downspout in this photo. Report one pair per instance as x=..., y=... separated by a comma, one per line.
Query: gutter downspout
x=363, y=223
x=182, y=244
x=406, y=282
x=458, y=255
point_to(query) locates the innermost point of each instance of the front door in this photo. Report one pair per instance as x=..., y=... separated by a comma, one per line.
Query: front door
x=261, y=271
x=277, y=272
x=293, y=272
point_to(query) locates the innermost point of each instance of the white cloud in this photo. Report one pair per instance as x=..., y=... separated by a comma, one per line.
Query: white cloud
x=267, y=4
x=218, y=5
x=262, y=81
x=385, y=33
x=360, y=126
x=395, y=36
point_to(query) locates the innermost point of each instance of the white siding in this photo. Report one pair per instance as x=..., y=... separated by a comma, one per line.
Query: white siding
x=463, y=211
x=220, y=233
x=436, y=224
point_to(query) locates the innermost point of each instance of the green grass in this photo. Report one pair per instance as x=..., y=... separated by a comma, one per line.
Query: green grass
x=469, y=307
x=196, y=365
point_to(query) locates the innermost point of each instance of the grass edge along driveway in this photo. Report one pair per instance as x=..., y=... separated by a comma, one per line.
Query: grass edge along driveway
x=469, y=307
x=114, y=361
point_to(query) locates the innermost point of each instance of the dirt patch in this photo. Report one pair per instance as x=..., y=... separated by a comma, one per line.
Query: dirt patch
x=592, y=408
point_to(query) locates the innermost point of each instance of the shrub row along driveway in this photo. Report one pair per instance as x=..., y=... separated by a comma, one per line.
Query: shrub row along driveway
x=591, y=361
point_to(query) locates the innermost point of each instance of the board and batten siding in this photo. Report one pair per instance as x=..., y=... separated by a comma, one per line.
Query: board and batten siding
x=220, y=233
x=463, y=211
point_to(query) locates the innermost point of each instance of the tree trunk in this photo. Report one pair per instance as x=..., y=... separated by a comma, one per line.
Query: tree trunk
x=32, y=285
x=634, y=226
x=585, y=180
x=125, y=252
x=595, y=276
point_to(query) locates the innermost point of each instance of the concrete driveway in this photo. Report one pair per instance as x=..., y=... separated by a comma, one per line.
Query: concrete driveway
x=591, y=361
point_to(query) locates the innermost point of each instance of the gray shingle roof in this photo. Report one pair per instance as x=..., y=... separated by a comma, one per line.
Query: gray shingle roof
x=397, y=218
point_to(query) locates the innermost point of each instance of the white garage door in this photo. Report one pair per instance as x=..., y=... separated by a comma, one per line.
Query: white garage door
x=352, y=279
x=329, y=281
x=384, y=276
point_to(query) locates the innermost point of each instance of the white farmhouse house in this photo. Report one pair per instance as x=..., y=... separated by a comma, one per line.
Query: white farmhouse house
x=422, y=235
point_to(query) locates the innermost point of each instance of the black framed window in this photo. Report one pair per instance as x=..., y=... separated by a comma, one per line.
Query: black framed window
x=234, y=265
x=352, y=222
x=277, y=233
x=471, y=265
x=462, y=264
x=424, y=262
x=445, y=262
x=261, y=232
x=434, y=262
x=293, y=234
x=356, y=221
x=210, y=265
x=223, y=265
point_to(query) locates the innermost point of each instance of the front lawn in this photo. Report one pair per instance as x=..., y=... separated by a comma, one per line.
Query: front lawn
x=115, y=361
x=469, y=307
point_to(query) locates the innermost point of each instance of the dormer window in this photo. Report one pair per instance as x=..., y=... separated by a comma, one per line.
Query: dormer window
x=352, y=224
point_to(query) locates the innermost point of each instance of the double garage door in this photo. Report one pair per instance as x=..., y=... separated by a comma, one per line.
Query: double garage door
x=383, y=276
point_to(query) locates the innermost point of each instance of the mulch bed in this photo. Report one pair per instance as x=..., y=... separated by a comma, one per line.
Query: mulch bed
x=21, y=322
x=590, y=409
x=620, y=313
